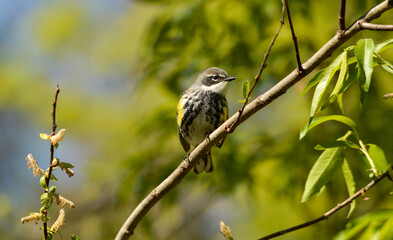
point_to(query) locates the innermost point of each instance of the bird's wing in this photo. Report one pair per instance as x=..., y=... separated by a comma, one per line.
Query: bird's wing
x=184, y=143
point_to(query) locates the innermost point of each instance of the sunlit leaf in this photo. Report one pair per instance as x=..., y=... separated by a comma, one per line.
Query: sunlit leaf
x=350, y=182
x=326, y=77
x=313, y=81
x=364, y=52
x=340, y=81
x=337, y=143
x=323, y=170
x=383, y=46
x=44, y=136
x=385, y=64
x=43, y=182
x=378, y=157
x=246, y=89
x=65, y=165
x=352, y=75
x=316, y=121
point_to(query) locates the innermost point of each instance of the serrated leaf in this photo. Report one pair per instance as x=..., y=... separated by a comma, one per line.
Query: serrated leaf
x=44, y=136
x=323, y=170
x=364, y=52
x=245, y=89
x=383, y=46
x=350, y=182
x=326, y=77
x=337, y=143
x=378, y=157
x=316, y=121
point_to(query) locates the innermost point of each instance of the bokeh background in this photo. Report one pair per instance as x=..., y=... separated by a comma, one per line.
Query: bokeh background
x=121, y=66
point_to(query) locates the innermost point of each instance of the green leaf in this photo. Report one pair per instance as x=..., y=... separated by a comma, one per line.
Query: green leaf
x=316, y=121
x=387, y=69
x=356, y=226
x=74, y=237
x=364, y=52
x=340, y=102
x=313, y=81
x=384, y=64
x=323, y=170
x=53, y=178
x=65, y=165
x=43, y=196
x=340, y=81
x=52, y=190
x=383, y=46
x=352, y=76
x=246, y=89
x=378, y=157
x=326, y=77
x=337, y=143
x=350, y=182
x=43, y=182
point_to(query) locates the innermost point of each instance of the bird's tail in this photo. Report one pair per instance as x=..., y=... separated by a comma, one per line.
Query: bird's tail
x=204, y=164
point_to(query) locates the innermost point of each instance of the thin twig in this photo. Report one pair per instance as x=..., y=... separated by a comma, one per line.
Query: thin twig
x=331, y=211
x=52, y=151
x=375, y=27
x=341, y=18
x=256, y=105
x=261, y=68
x=294, y=38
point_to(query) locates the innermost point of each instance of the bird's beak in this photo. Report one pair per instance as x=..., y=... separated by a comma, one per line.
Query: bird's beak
x=228, y=79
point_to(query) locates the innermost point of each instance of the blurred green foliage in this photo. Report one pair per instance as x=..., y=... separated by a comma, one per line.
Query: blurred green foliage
x=121, y=66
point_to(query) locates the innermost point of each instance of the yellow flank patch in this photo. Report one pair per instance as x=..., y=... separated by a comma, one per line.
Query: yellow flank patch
x=180, y=111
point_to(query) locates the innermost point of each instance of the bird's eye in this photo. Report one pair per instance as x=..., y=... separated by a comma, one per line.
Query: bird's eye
x=215, y=77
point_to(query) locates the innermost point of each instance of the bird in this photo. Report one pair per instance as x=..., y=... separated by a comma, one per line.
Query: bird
x=201, y=109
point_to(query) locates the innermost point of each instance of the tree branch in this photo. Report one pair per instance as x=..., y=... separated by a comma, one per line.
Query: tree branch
x=294, y=38
x=257, y=104
x=375, y=27
x=52, y=152
x=341, y=18
x=262, y=67
x=331, y=211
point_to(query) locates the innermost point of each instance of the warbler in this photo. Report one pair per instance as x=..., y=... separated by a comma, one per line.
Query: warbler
x=201, y=109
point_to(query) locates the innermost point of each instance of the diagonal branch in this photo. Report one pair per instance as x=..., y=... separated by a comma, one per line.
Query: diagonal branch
x=262, y=67
x=325, y=216
x=294, y=38
x=257, y=104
